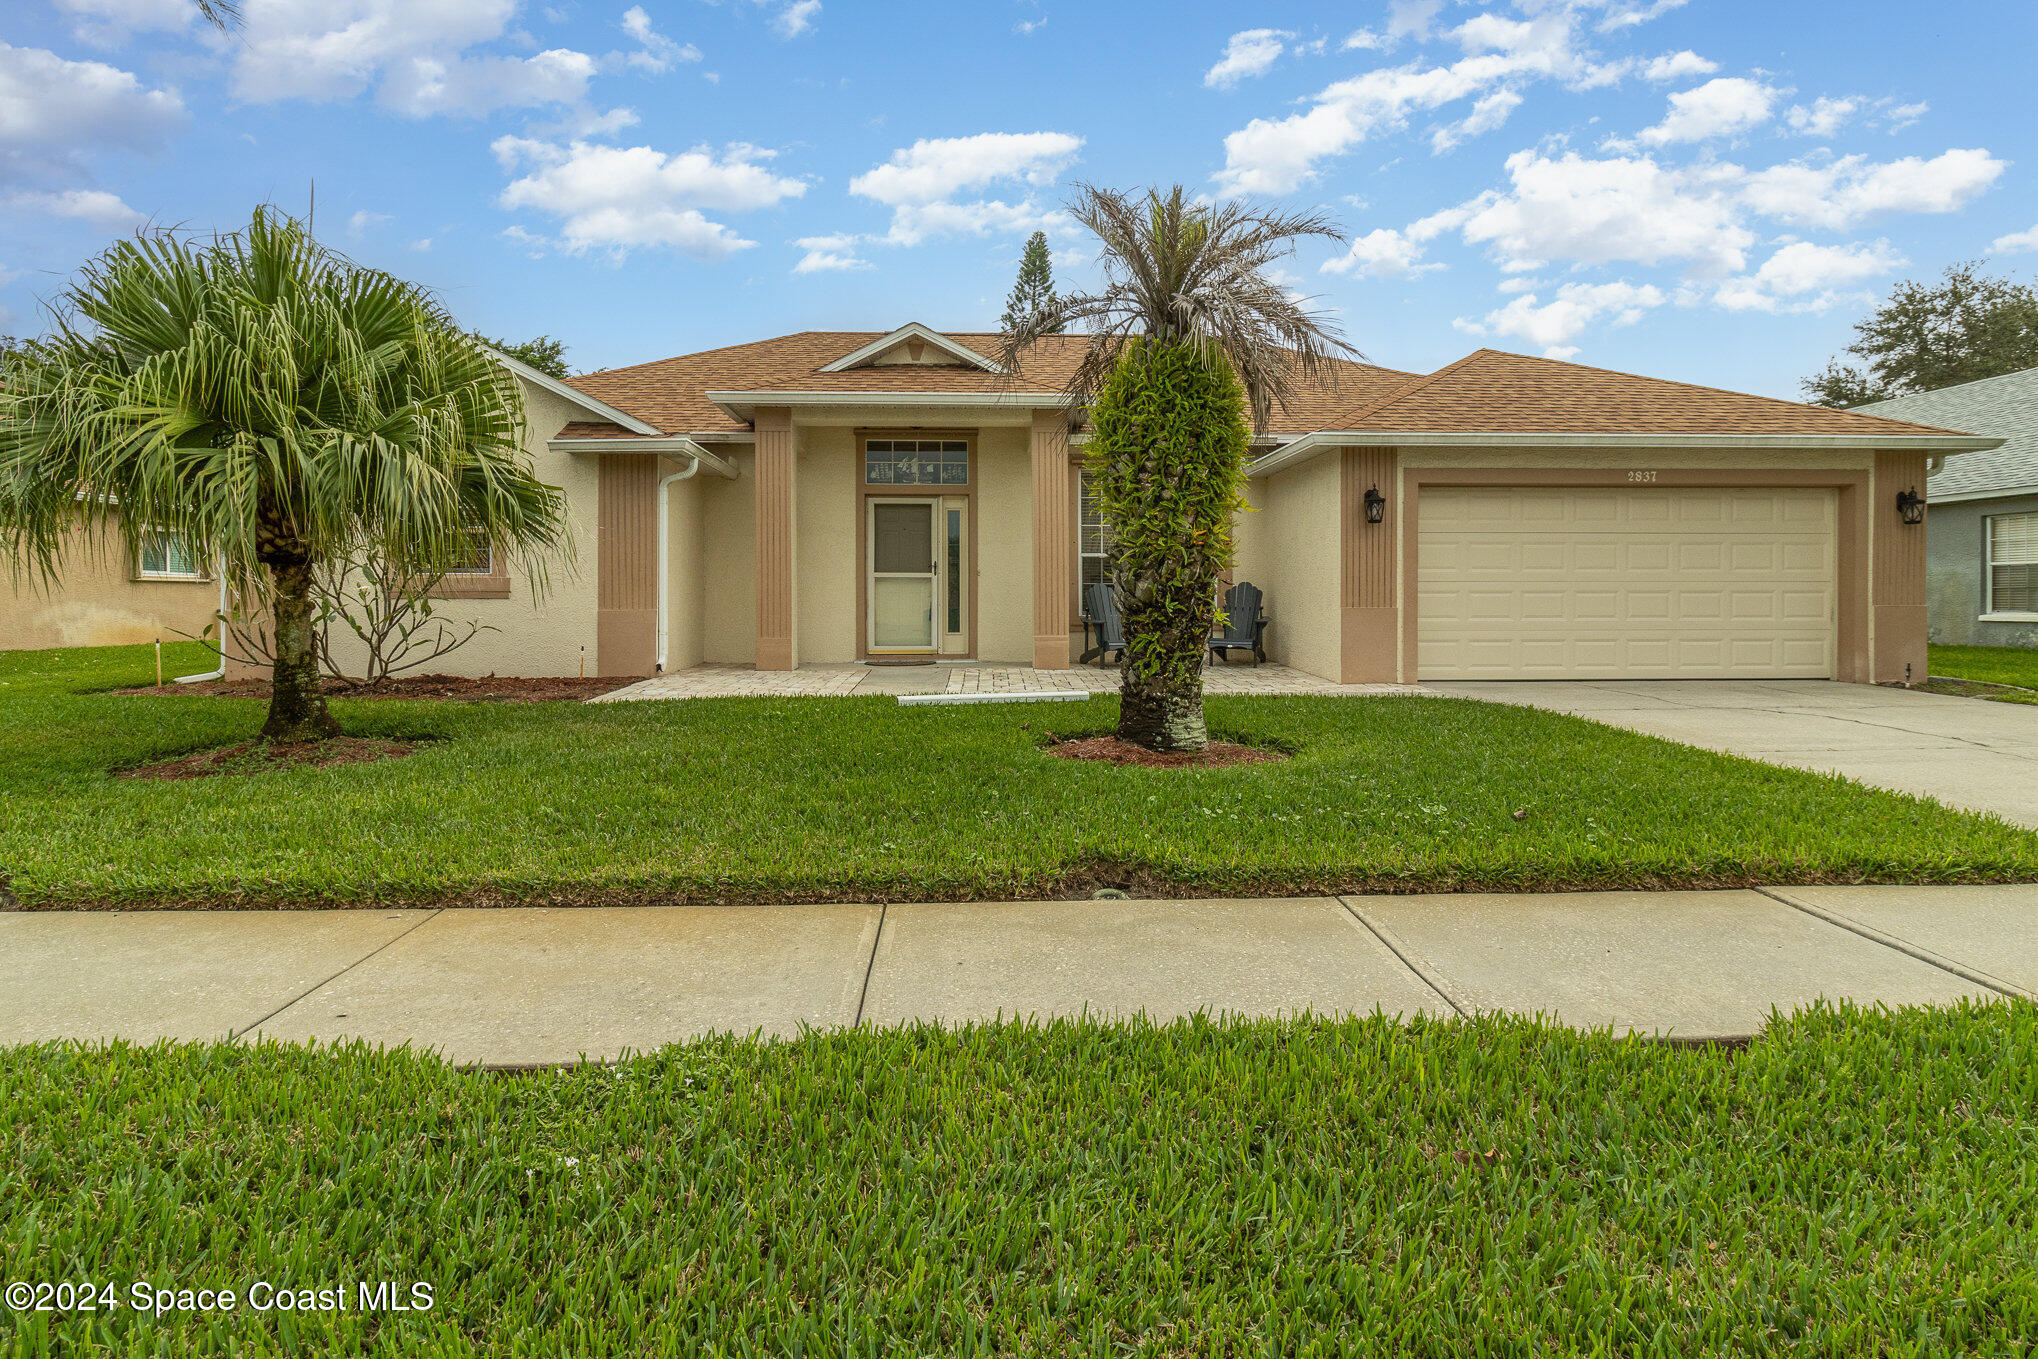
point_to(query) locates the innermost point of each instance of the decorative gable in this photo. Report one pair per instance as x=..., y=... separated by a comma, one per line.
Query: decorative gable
x=912, y=345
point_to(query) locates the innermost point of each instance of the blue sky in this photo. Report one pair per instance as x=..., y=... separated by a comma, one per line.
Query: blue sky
x=1710, y=190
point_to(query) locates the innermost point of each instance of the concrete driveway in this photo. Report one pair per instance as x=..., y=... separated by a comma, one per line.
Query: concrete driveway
x=1965, y=752
x=548, y=985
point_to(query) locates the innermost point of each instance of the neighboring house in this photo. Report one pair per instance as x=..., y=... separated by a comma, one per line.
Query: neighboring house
x=106, y=597
x=1981, y=533
x=835, y=497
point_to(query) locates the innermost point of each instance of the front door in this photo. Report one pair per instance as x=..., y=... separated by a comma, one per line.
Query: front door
x=905, y=575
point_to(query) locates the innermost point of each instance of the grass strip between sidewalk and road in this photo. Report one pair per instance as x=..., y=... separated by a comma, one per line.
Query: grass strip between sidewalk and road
x=712, y=800
x=1851, y=1183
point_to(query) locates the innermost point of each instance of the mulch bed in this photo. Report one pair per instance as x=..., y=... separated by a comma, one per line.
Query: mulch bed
x=252, y=757
x=1111, y=750
x=453, y=688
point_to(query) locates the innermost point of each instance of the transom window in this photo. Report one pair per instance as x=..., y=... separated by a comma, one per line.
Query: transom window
x=165, y=556
x=1093, y=534
x=916, y=462
x=2013, y=563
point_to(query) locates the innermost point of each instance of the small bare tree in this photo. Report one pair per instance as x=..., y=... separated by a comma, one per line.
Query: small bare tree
x=391, y=612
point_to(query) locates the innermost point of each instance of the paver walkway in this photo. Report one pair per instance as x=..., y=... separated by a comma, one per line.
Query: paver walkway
x=742, y=681
x=1965, y=752
x=545, y=985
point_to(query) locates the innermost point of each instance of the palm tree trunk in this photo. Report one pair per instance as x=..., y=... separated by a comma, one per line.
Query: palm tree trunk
x=1160, y=697
x=297, y=704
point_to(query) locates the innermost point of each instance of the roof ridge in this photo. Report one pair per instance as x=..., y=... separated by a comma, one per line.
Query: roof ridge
x=1701, y=387
x=1350, y=418
x=1949, y=387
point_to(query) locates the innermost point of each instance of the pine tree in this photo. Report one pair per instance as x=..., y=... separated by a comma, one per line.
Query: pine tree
x=1033, y=294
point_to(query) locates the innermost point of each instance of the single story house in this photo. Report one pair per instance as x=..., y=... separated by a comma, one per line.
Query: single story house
x=837, y=497
x=107, y=596
x=1981, y=540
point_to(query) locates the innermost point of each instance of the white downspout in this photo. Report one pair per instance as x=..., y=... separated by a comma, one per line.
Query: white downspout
x=664, y=553
x=221, y=672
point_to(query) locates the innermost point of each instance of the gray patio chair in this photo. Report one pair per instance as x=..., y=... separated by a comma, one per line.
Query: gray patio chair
x=1245, y=627
x=1103, y=629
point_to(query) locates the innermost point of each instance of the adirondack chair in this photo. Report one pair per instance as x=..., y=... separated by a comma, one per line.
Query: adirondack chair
x=1103, y=629
x=1245, y=627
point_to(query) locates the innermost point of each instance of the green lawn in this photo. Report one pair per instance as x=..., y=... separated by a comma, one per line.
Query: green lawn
x=1852, y=1184
x=813, y=798
x=1990, y=664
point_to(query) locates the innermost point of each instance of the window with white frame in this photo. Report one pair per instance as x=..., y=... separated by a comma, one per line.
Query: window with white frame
x=2012, y=563
x=165, y=556
x=1093, y=534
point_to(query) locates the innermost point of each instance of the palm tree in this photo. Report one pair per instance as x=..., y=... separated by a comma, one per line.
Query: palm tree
x=272, y=405
x=1190, y=332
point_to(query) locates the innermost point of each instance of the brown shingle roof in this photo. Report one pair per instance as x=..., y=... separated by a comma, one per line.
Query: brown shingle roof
x=1492, y=391
x=671, y=393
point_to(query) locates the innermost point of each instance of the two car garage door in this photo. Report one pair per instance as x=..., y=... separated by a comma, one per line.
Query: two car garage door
x=1637, y=582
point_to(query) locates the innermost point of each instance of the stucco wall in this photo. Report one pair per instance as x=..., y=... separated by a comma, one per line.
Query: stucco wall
x=825, y=566
x=1005, y=546
x=97, y=602
x=532, y=635
x=1291, y=553
x=1954, y=560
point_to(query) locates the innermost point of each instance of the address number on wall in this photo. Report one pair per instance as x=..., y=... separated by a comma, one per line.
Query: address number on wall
x=1641, y=476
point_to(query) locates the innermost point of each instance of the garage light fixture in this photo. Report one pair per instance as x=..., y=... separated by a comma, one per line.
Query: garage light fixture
x=1376, y=505
x=1910, y=506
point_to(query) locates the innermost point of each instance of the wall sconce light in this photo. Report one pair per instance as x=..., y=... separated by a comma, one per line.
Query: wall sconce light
x=1910, y=506
x=1376, y=505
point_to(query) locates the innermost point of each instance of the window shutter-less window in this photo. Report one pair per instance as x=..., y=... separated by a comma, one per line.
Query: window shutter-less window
x=2013, y=563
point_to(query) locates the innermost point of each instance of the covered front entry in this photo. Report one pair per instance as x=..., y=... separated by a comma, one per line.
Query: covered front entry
x=1642, y=582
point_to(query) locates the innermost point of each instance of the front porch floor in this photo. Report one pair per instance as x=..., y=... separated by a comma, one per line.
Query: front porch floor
x=810, y=681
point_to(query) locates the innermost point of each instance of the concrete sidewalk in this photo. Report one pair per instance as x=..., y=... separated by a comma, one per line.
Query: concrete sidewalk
x=543, y=985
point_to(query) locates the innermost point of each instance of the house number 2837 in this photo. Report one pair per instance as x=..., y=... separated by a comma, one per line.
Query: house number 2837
x=1641, y=476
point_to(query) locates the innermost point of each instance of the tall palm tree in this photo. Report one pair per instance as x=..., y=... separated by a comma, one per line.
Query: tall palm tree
x=271, y=405
x=1191, y=332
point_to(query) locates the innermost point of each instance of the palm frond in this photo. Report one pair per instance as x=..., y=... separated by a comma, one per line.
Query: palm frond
x=1182, y=273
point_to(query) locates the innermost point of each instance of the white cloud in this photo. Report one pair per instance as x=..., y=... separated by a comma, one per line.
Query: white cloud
x=418, y=56
x=1725, y=107
x=94, y=206
x=1487, y=114
x=1252, y=52
x=1802, y=276
x=1280, y=155
x=1903, y=115
x=363, y=221
x=108, y=23
x=1411, y=18
x=913, y=223
x=1600, y=211
x=2016, y=243
x=622, y=198
x=55, y=113
x=1028, y=27
x=1576, y=306
x=1678, y=66
x=1627, y=15
x=1825, y=116
x=655, y=52
x=1839, y=193
x=829, y=254
x=1384, y=253
x=797, y=18
x=935, y=169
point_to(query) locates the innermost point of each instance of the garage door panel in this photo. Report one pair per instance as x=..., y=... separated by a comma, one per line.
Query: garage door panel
x=1662, y=582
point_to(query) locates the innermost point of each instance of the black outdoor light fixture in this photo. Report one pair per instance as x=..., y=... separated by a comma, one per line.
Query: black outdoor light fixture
x=1910, y=506
x=1376, y=505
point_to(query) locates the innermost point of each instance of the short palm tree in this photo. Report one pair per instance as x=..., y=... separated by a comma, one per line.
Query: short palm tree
x=1191, y=334
x=271, y=405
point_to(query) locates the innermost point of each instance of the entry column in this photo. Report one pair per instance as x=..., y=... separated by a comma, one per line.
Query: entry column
x=1054, y=547
x=777, y=635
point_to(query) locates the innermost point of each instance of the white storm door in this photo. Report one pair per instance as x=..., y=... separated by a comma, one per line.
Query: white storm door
x=905, y=574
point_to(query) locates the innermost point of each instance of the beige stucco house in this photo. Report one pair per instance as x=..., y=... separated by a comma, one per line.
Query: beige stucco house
x=104, y=595
x=837, y=497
